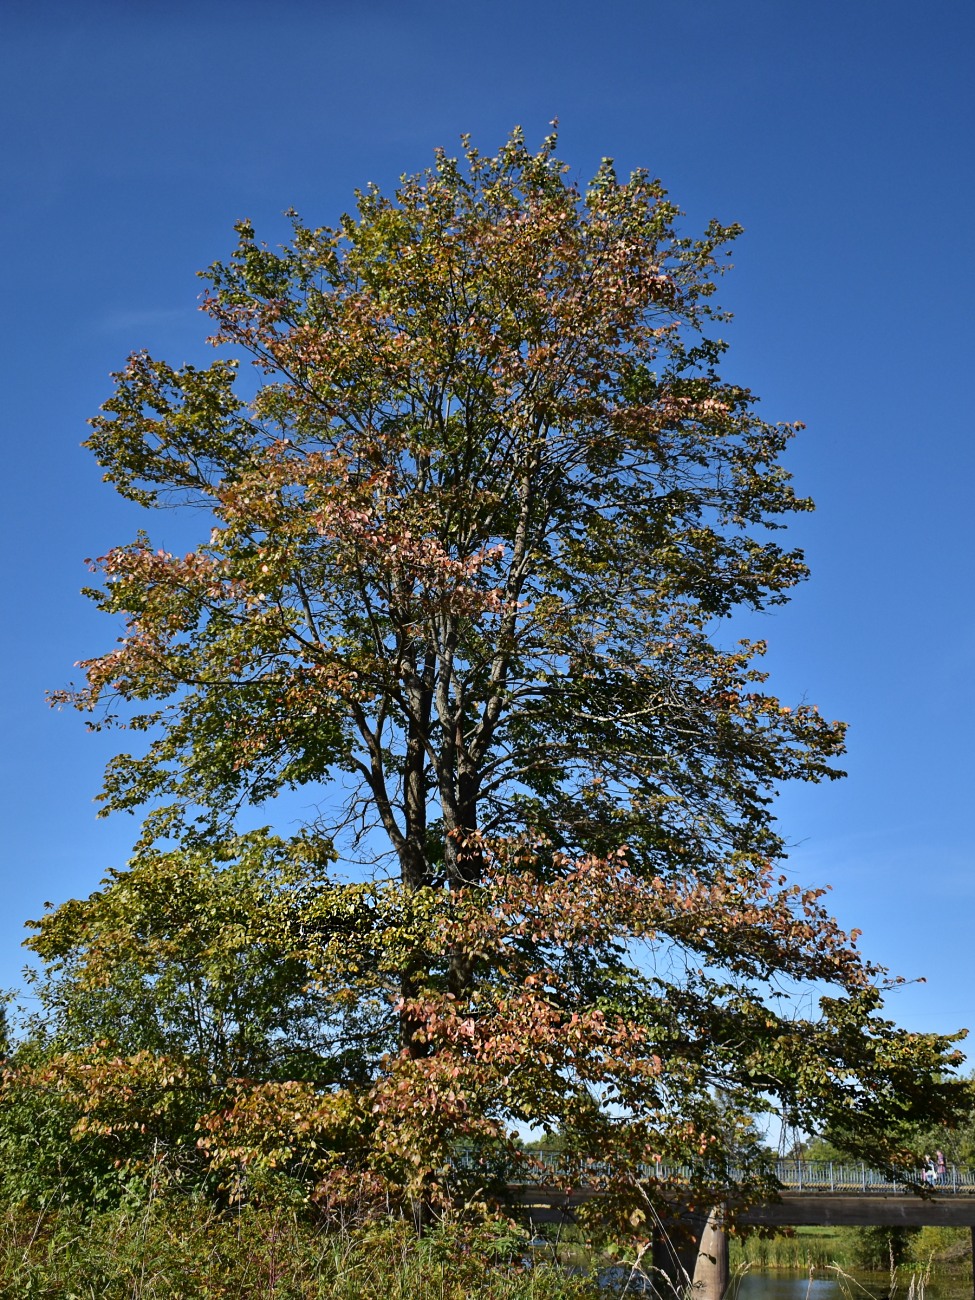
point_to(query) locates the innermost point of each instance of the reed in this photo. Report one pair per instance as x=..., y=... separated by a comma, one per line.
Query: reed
x=939, y=1252
x=805, y=1249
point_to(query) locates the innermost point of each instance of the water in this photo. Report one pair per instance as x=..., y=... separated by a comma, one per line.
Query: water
x=800, y=1286
x=822, y=1285
x=819, y=1285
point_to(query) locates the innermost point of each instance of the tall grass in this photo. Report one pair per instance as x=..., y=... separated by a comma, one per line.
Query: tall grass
x=193, y=1253
x=934, y=1251
x=177, y=1248
x=803, y=1250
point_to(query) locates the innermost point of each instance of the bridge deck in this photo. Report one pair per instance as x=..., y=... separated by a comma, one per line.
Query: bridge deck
x=834, y=1209
x=795, y=1209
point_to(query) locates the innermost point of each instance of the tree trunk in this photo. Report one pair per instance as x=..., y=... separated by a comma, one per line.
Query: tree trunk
x=464, y=866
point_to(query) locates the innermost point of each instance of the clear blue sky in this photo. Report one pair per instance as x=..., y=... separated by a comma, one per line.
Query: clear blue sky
x=839, y=133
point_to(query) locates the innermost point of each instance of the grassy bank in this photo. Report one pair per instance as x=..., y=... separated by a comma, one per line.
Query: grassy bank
x=169, y=1251
x=937, y=1251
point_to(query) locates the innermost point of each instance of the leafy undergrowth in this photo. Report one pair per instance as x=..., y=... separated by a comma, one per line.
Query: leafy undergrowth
x=196, y=1254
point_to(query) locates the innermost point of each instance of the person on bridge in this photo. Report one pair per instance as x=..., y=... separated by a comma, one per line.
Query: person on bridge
x=940, y=1166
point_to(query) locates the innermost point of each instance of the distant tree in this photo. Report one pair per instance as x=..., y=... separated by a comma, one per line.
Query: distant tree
x=469, y=541
x=882, y=1247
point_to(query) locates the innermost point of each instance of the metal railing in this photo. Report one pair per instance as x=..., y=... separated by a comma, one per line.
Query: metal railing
x=834, y=1176
x=792, y=1175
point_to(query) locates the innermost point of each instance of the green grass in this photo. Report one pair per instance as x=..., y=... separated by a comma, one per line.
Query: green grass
x=805, y=1248
x=193, y=1253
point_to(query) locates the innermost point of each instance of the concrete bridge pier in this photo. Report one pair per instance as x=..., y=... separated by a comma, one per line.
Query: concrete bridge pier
x=711, y=1270
x=690, y=1257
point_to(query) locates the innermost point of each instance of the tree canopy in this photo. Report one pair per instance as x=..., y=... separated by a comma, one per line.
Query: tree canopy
x=472, y=528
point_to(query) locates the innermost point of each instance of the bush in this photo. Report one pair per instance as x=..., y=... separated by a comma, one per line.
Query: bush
x=189, y=1250
x=882, y=1247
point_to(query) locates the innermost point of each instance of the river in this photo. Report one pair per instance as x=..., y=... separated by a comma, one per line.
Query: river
x=820, y=1285
x=829, y=1285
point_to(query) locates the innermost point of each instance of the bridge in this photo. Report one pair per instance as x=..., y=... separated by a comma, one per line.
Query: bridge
x=691, y=1248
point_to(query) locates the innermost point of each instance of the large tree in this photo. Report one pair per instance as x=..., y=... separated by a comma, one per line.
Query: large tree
x=472, y=530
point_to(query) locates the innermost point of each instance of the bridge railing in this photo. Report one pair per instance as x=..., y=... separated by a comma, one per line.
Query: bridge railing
x=837, y=1176
x=805, y=1175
